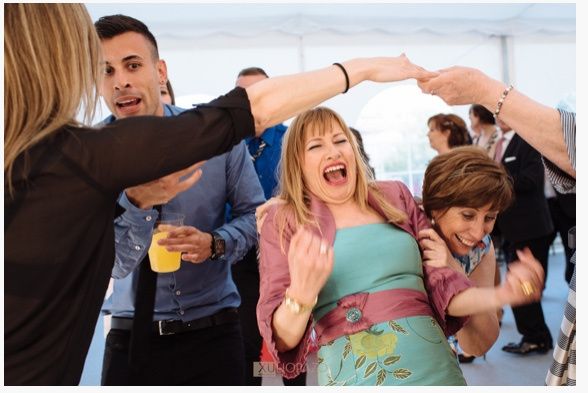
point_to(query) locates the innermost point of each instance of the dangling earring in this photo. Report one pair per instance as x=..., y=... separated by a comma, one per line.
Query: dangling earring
x=432, y=222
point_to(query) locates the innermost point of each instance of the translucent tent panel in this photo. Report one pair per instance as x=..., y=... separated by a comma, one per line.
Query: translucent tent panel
x=531, y=45
x=205, y=45
x=199, y=20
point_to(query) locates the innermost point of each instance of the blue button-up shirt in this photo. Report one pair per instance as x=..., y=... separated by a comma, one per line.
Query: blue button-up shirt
x=195, y=290
x=266, y=164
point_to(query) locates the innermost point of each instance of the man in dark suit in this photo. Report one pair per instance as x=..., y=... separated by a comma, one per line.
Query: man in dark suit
x=563, y=213
x=526, y=223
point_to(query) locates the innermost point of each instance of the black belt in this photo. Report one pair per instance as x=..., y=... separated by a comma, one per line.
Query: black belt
x=174, y=326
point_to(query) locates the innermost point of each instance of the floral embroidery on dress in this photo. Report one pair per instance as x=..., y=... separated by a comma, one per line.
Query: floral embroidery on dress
x=373, y=344
x=374, y=356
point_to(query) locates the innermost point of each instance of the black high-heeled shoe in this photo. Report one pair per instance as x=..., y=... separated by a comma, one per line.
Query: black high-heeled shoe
x=465, y=358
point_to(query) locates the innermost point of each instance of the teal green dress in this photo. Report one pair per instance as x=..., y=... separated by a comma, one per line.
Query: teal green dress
x=406, y=351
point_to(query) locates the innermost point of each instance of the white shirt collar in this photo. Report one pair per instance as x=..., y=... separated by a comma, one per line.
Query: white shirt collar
x=508, y=135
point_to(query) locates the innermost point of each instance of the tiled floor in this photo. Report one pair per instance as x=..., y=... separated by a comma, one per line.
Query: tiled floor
x=498, y=369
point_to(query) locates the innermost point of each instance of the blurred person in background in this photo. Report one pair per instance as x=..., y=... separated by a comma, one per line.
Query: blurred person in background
x=167, y=93
x=447, y=131
x=483, y=125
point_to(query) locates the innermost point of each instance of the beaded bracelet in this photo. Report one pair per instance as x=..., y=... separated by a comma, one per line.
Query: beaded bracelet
x=346, y=76
x=501, y=101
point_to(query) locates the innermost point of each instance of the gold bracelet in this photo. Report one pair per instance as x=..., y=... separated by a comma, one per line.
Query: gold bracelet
x=501, y=101
x=296, y=307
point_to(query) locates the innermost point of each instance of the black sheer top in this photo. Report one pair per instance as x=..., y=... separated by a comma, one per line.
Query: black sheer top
x=59, y=234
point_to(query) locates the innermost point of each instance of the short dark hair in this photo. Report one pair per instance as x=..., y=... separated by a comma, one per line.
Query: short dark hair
x=113, y=25
x=483, y=114
x=465, y=176
x=252, y=71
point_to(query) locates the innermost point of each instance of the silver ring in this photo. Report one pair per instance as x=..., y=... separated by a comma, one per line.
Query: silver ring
x=432, y=92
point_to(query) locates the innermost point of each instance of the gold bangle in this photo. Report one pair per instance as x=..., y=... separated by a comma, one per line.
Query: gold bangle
x=296, y=307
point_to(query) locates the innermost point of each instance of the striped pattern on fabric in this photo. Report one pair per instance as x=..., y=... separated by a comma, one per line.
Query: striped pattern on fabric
x=563, y=369
x=560, y=180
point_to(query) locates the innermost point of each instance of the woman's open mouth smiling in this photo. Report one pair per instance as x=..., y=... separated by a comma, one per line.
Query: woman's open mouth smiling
x=335, y=174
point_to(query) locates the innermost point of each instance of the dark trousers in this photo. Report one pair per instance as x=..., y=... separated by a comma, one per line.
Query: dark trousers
x=563, y=221
x=246, y=277
x=209, y=356
x=529, y=318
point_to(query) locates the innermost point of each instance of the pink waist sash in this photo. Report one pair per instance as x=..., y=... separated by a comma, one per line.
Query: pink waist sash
x=360, y=311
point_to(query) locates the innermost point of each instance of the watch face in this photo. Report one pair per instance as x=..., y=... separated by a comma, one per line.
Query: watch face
x=293, y=306
x=219, y=246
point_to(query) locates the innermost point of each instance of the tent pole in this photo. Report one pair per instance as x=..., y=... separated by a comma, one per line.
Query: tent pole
x=301, y=66
x=506, y=49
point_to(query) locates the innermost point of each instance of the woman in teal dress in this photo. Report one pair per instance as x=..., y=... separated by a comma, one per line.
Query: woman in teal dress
x=393, y=352
x=339, y=254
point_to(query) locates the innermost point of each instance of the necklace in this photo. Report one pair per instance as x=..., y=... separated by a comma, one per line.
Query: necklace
x=491, y=141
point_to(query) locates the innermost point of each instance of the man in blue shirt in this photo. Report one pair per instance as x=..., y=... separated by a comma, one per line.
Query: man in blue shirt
x=266, y=150
x=202, y=345
x=265, y=153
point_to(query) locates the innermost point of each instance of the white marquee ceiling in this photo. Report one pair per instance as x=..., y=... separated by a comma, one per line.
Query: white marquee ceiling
x=246, y=20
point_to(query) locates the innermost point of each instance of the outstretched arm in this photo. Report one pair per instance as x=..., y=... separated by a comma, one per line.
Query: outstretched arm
x=523, y=284
x=536, y=123
x=274, y=100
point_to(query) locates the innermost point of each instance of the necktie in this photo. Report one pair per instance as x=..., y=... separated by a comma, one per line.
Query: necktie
x=256, y=152
x=139, y=348
x=499, y=152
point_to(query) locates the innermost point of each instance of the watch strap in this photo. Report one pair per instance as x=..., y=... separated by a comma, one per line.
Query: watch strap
x=215, y=251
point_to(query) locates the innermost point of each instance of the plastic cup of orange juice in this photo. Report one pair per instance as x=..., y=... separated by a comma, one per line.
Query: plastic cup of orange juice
x=163, y=261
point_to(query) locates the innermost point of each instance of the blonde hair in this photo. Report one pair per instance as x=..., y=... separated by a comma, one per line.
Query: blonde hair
x=51, y=73
x=292, y=187
x=465, y=177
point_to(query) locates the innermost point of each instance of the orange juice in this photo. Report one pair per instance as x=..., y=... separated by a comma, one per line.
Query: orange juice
x=163, y=261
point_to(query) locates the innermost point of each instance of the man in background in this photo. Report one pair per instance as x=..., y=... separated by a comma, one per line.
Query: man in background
x=194, y=336
x=265, y=154
x=526, y=223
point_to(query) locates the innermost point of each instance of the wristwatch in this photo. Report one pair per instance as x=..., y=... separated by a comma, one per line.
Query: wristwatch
x=217, y=247
x=296, y=307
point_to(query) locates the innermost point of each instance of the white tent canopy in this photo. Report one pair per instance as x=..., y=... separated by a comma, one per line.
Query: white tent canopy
x=531, y=45
x=189, y=21
x=205, y=45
